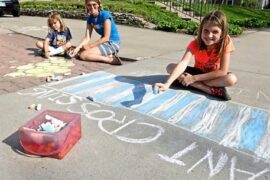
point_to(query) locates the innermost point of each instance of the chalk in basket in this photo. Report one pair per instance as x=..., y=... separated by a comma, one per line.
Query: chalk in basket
x=54, y=140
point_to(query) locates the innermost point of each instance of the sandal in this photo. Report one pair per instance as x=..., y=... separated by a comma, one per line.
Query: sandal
x=116, y=60
x=220, y=92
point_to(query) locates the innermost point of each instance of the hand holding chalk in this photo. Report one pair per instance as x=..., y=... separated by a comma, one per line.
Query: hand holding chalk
x=155, y=89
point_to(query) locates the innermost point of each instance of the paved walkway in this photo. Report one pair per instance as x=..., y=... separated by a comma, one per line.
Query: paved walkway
x=21, y=64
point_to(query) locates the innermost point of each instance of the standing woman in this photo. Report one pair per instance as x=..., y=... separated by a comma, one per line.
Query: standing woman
x=105, y=48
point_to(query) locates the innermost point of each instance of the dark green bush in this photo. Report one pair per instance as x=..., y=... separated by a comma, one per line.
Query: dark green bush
x=235, y=30
x=251, y=23
x=192, y=27
x=55, y=5
x=166, y=26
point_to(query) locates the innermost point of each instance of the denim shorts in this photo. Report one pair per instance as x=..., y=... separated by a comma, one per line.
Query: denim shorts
x=109, y=48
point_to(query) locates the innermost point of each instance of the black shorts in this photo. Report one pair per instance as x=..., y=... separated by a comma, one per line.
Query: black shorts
x=193, y=70
x=190, y=70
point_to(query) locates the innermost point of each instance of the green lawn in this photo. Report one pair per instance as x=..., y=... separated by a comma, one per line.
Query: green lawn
x=236, y=12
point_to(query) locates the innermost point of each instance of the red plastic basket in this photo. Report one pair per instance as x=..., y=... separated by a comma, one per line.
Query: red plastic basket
x=55, y=145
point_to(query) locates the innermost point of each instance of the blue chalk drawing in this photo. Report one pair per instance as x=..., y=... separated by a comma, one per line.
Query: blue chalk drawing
x=194, y=116
x=87, y=86
x=253, y=130
x=227, y=118
x=154, y=103
x=129, y=97
x=174, y=108
x=234, y=125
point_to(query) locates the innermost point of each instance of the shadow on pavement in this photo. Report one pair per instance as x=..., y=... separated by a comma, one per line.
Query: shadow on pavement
x=139, y=90
x=33, y=51
x=14, y=142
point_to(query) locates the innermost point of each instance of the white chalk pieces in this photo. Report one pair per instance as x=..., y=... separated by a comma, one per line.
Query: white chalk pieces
x=36, y=107
x=54, y=78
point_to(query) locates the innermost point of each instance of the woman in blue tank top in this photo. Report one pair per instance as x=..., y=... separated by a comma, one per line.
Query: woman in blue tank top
x=104, y=49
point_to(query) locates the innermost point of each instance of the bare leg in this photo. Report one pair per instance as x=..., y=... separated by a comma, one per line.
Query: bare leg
x=67, y=46
x=94, y=54
x=170, y=68
x=39, y=44
x=201, y=86
x=225, y=81
x=229, y=80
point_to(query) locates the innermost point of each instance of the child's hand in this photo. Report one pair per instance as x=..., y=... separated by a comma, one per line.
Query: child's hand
x=186, y=79
x=85, y=47
x=161, y=86
x=74, y=52
x=60, y=42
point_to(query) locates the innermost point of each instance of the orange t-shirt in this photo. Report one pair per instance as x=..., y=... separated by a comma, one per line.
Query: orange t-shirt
x=208, y=61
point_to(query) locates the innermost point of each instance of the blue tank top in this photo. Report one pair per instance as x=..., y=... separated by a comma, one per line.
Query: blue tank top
x=98, y=23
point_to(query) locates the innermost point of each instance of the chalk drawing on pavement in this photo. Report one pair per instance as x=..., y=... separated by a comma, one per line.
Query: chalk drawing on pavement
x=213, y=168
x=103, y=116
x=33, y=28
x=94, y=111
x=54, y=65
x=231, y=124
x=246, y=93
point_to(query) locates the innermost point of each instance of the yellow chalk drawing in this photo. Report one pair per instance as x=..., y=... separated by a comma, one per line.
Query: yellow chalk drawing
x=61, y=71
x=43, y=64
x=24, y=67
x=50, y=67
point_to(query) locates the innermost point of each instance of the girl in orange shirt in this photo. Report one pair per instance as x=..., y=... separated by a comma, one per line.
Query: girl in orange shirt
x=211, y=50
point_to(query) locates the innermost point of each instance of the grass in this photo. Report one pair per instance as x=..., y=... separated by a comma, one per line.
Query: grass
x=238, y=13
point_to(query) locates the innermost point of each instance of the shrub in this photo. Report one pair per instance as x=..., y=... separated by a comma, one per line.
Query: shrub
x=235, y=30
x=251, y=23
x=192, y=27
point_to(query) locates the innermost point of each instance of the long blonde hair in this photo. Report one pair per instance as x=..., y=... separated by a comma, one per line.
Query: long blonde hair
x=219, y=19
x=56, y=16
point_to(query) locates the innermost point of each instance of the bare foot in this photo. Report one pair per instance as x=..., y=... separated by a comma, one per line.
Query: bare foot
x=47, y=55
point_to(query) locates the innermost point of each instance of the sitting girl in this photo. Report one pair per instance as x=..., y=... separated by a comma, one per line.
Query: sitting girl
x=212, y=51
x=104, y=49
x=58, y=39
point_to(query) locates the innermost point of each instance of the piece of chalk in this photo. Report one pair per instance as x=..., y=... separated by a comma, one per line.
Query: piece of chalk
x=50, y=118
x=91, y=98
x=56, y=78
x=32, y=106
x=38, y=107
x=67, y=74
x=48, y=79
x=47, y=127
x=156, y=90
